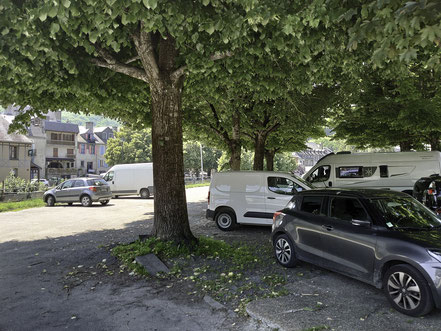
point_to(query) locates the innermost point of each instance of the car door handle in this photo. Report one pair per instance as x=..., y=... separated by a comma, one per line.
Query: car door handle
x=328, y=227
x=272, y=198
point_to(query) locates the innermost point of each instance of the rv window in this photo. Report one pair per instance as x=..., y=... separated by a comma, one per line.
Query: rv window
x=320, y=174
x=282, y=185
x=312, y=205
x=384, y=172
x=350, y=172
x=369, y=171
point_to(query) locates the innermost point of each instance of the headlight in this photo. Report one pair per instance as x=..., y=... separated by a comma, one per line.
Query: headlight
x=435, y=253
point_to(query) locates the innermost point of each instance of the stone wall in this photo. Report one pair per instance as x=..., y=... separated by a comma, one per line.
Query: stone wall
x=12, y=197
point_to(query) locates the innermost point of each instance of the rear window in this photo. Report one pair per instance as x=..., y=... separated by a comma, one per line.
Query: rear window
x=96, y=182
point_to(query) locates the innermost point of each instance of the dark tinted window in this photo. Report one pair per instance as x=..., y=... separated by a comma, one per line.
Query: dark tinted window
x=311, y=205
x=96, y=182
x=348, y=209
x=384, y=172
x=320, y=174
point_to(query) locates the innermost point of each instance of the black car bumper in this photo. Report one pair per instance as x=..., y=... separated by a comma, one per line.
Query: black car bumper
x=209, y=214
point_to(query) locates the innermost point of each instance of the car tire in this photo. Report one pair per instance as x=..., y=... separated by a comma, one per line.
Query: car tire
x=86, y=201
x=105, y=202
x=50, y=201
x=284, y=251
x=144, y=193
x=225, y=219
x=407, y=290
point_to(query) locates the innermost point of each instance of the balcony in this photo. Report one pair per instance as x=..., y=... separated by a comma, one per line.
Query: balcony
x=70, y=156
x=61, y=142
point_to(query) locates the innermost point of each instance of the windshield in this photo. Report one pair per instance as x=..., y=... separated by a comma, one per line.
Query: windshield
x=304, y=182
x=406, y=213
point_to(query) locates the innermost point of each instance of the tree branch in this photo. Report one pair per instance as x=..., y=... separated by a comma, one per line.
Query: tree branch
x=144, y=47
x=121, y=68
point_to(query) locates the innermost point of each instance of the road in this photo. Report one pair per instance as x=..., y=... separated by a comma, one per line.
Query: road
x=53, y=272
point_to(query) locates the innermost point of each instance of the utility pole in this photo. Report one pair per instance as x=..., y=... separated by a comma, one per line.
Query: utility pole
x=202, y=164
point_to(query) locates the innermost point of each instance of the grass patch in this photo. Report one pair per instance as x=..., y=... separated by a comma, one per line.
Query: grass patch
x=197, y=184
x=232, y=274
x=20, y=205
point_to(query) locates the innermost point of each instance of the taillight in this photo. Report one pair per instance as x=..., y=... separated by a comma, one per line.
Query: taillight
x=92, y=188
x=277, y=213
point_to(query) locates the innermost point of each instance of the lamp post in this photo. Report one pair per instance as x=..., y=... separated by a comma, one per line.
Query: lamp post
x=202, y=164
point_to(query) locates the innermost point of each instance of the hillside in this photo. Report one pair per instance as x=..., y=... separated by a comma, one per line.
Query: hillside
x=81, y=119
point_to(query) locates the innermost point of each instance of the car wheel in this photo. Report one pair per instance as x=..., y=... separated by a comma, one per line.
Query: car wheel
x=284, y=251
x=145, y=194
x=86, y=201
x=105, y=202
x=50, y=201
x=225, y=219
x=407, y=290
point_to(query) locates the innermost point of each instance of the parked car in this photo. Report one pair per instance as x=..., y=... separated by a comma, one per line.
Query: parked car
x=395, y=171
x=131, y=179
x=427, y=190
x=41, y=180
x=83, y=190
x=384, y=238
x=250, y=197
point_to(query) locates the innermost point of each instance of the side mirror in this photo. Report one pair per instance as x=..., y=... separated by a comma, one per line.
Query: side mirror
x=361, y=223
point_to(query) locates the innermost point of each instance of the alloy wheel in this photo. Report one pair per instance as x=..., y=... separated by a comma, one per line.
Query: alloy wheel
x=404, y=290
x=283, y=251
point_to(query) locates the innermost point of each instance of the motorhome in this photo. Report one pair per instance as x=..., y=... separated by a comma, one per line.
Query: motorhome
x=131, y=179
x=250, y=197
x=395, y=171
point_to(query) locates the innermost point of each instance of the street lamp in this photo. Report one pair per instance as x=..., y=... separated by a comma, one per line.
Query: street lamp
x=202, y=164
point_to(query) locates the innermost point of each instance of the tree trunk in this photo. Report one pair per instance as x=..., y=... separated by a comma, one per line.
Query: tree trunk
x=269, y=158
x=171, y=217
x=259, y=151
x=405, y=146
x=235, y=145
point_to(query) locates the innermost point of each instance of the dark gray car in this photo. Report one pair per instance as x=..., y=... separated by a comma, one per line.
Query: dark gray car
x=384, y=238
x=83, y=190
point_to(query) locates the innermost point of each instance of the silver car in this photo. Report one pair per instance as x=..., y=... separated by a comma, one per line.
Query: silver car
x=83, y=190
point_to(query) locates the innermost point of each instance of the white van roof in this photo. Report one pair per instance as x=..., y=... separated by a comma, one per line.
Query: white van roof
x=132, y=166
x=392, y=156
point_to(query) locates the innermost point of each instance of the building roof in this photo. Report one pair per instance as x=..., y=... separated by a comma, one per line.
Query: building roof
x=13, y=137
x=61, y=127
x=102, y=128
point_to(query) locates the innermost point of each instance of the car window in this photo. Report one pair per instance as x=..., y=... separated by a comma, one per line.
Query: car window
x=347, y=209
x=311, y=205
x=96, y=182
x=67, y=184
x=109, y=176
x=320, y=174
x=282, y=185
x=79, y=183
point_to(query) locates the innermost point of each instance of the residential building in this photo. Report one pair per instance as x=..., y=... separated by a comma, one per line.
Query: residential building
x=61, y=146
x=308, y=158
x=91, y=149
x=37, y=134
x=105, y=132
x=14, y=151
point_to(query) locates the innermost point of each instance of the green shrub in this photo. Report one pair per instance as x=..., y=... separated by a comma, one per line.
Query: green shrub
x=15, y=184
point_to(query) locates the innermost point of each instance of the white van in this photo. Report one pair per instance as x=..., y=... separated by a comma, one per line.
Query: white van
x=396, y=171
x=250, y=197
x=131, y=179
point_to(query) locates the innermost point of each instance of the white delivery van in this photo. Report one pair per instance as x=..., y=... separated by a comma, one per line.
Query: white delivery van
x=250, y=197
x=396, y=171
x=131, y=179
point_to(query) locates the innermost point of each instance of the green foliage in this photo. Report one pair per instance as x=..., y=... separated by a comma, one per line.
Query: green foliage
x=284, y=162
x=20, y=205
x=192, y=157
x=17, y=184
x=81, y=119
x=129, y=146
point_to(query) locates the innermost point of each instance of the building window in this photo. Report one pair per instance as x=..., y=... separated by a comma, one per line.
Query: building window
x=70, y=151
x=82, y=164
x=13, y=152
x=102, y=150
x=68, y=137
x=82, y=149
x=92, y=149
x=55, y=153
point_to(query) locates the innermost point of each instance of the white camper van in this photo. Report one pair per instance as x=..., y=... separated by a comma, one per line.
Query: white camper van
x=131, y=179
x=396, y=171
x=250, y=197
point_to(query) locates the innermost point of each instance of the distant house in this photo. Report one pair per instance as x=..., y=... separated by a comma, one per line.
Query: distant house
x=14, y=152
x=61, y=146
x=308, y=158
x=91, y=148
